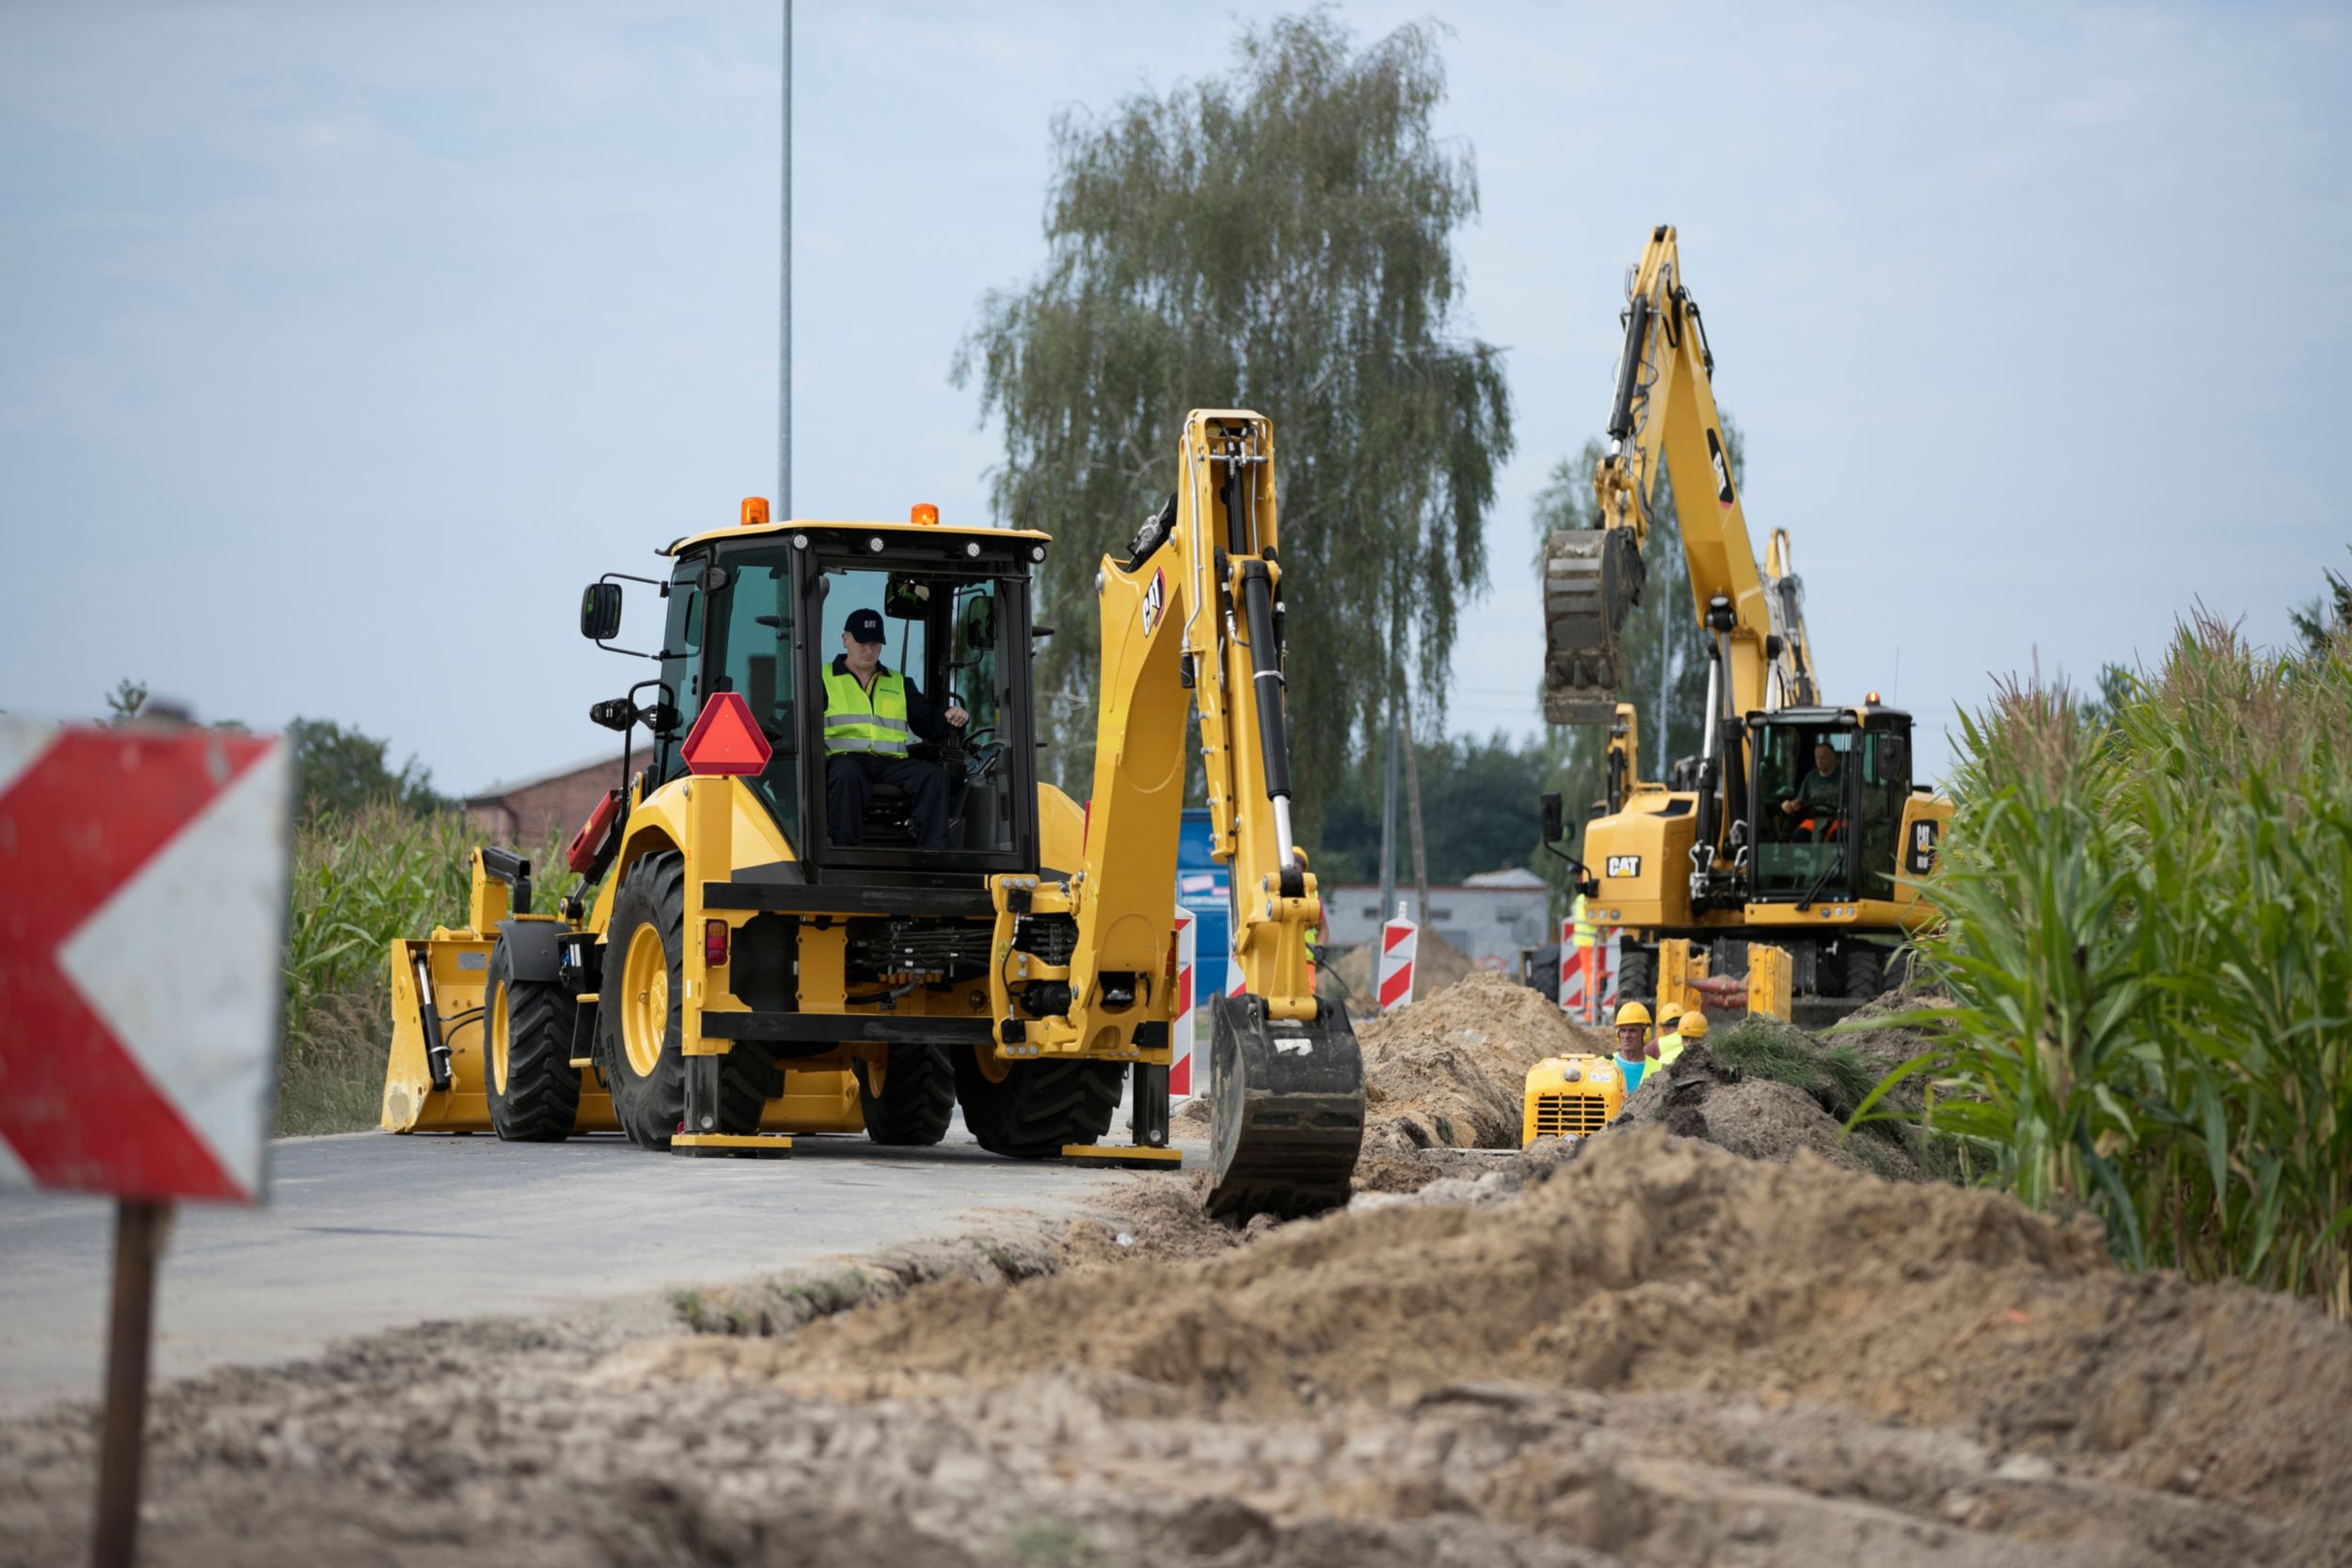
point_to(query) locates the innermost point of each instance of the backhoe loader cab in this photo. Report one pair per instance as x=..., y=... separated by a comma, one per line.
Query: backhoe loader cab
x=761, y=611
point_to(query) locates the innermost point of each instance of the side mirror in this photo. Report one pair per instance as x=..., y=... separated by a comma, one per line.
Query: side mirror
x=600, y=612
x=1554, y=827
x=1894, y=756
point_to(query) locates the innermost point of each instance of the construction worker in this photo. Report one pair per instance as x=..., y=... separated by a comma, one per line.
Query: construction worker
x=1588, y=960
x=872, y=714
x=1634, y=1046
x=1669, y=1033
x=1819, y=795
x=1691, y=1028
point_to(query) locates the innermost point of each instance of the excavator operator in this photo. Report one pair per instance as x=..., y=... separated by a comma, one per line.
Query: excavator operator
x=872, y=712
x=1818, y=797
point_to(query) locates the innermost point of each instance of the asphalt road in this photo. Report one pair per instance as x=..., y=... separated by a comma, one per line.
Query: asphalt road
x=368, y=1231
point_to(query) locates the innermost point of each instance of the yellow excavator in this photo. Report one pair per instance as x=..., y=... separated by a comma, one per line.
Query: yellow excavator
x=1798, y=824
x=747, y=952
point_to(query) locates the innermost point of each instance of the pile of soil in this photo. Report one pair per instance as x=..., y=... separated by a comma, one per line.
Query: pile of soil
x=1641, y=1351
x=1436, y=964
x=1764, y=1088
x=1451, y=1069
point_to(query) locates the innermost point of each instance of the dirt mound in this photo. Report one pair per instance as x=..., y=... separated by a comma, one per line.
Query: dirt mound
x=1654, y=1265
x=1437, y=963
x=1451, y=1069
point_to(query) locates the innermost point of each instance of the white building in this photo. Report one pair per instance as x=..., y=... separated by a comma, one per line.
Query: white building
x=1493, y=916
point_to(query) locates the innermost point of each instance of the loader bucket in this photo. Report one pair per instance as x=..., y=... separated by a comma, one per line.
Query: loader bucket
x=1286, y=1111
x=436, y=1013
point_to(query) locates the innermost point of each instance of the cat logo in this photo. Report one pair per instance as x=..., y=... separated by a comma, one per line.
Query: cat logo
x=1155, y=599
x=1624, y=865
x=1921, y=860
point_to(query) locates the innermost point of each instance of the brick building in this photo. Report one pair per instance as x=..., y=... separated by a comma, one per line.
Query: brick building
x=528, y=813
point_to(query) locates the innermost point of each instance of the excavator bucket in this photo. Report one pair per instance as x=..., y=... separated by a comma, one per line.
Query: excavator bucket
x=1591, y=580
x=1286, y=1111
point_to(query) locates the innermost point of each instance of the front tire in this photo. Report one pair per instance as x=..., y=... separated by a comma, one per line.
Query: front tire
x=914, y=1099
x=1036, y=1106
x=533, y=1088
x=1637, y=974
x=1865, y=966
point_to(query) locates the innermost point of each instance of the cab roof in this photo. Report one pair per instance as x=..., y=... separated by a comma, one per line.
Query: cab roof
x=815, y=524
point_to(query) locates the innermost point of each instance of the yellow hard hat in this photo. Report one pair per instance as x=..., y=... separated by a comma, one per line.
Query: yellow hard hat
x=1632, y=1012
x=1668, y=1013
x=1694, y=1025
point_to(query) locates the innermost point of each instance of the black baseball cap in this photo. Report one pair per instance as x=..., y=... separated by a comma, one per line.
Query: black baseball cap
x=864, y=626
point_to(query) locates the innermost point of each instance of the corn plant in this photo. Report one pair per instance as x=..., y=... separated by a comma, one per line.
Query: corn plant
x=2148, y=941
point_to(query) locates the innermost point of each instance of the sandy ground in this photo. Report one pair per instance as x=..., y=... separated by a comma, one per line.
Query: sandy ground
x=1648, y=1351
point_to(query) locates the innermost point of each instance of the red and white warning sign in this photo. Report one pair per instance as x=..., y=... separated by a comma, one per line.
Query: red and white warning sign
x=140, y=957
x=1399, y=940
x=1179, y=1029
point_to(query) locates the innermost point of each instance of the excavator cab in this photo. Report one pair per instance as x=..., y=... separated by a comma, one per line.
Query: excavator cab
x=1827, y=789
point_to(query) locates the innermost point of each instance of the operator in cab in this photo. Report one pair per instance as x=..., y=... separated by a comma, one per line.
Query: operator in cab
x=872, y=715
x=1819, y=795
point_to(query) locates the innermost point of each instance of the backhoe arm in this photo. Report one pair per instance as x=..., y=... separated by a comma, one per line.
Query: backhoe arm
x=1192, y=618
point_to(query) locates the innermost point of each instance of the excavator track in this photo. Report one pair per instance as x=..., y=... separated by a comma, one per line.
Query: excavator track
x=1286, y=1111
x=1591, y=579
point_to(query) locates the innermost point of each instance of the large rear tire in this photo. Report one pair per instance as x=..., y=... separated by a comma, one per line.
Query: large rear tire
x=914, y=1100
x=1036, y=1106
x=637, y=1009
x=533, y=1088
x=639, y=1016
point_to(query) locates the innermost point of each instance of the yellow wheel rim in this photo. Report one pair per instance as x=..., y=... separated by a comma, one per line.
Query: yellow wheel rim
x=877, y=1074
x=645, y=1001
x=991, y=1069
x=501, y=1041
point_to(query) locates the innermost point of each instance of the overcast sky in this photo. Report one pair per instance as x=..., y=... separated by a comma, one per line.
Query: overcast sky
x=340, y=344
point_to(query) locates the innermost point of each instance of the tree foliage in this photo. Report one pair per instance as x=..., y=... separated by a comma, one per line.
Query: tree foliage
x=339, y=769
x=2325, y=619
x=1281, y=238
x=1478, y=802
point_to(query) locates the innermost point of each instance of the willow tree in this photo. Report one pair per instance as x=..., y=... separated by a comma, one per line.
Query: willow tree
x=1280, y=237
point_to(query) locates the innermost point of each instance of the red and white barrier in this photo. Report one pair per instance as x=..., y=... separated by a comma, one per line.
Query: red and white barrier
x=1179, y=1029
x=1607, y=948
x=1400, y=938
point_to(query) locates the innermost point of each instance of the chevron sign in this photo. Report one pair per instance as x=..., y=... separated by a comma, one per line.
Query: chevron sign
x=141, y=961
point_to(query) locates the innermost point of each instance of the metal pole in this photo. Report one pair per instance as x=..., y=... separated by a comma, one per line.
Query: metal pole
x=1388, y=821
x=140, y=1227
x=783, y=374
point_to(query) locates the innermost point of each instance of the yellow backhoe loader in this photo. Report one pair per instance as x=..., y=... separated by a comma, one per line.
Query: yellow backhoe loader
x=748, y=952
x=1798, y=824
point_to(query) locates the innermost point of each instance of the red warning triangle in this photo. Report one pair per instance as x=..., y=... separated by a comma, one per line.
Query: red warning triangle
x=726, y=739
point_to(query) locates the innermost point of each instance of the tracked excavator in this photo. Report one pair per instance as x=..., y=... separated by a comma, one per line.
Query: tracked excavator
x=1798, y=824
x=736, y=962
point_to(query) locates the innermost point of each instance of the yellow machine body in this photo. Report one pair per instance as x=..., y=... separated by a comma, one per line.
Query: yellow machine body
x=1570, y=1097
x=833, y=962
x=1692, y=862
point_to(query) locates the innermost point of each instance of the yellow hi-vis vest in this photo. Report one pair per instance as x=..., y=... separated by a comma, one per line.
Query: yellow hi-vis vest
x=1586, y=930
x=1670, y=1046
x=859, y=721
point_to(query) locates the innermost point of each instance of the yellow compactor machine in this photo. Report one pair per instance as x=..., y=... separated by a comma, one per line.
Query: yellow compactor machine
x=719, y=974
x=1798, y=824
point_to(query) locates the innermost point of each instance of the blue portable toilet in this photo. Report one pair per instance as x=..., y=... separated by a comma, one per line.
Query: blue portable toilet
x=1205, y=887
